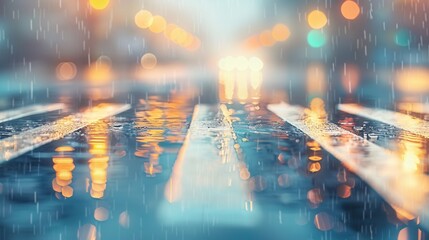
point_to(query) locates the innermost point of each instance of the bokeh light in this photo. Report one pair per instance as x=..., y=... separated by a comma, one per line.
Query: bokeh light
x=158, y=24
x=350, y=10
x=316, y=39
x=280, y=32
x=143, y=19
x=266, y=38
x=317, y=19
x=402, y=38
x=66, y=71
x=148, y=61
x=99, y=4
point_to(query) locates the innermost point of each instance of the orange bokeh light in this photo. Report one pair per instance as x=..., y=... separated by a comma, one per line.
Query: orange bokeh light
x=350, y=10
x=317, y=19
x=280, y=32
x=266, y=39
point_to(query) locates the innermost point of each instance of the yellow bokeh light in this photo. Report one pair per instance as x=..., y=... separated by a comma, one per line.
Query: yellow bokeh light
x=317, y=19
x=350, y=10
x=280, y=32
x=99, y=4
x=158, y=24
x=143, y=19
x=168, y=32
x=148, y=61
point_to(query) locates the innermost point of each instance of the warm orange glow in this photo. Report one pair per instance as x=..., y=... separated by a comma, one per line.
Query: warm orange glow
x=99, y=73
x=99, y=4
x=280, y=32
x=350, y=78
x=179, y=36
x=413, y=80
x=148, y=61
x=158, y=24
x=266, y=39
x=316, y=110
x=143, y=19
x=315, y=158
x=350, y=10
x=64, y=149
x=314, y=167
x=317, y=19
x=169, y=30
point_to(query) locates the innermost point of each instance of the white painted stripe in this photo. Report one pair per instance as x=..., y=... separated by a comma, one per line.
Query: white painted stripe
x=205, y=186
x=17, y=113
x=384, y=171
x=23, y=142
x=399, y=120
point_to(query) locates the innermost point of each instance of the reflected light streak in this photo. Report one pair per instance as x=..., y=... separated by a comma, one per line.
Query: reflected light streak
x=156, y=118
x=63, y=167
x=203, y=189
x=28, y=140
x=399, y=120
x=381, y=169
x=98, y=141
x=241, y=79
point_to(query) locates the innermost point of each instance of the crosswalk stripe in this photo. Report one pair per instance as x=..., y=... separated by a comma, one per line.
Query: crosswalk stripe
x=26, y=141
x=381, y=169
x=398, y=120
x=17, y=113
x=205, y=185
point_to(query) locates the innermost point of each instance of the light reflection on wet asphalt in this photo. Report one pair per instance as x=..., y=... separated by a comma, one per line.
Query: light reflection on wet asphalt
x=107, y=180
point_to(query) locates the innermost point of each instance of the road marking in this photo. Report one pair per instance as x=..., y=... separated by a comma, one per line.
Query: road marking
x=384, y=171
x=23, y=142
x=17, y=113
x=398, y=120
x=205, y=186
